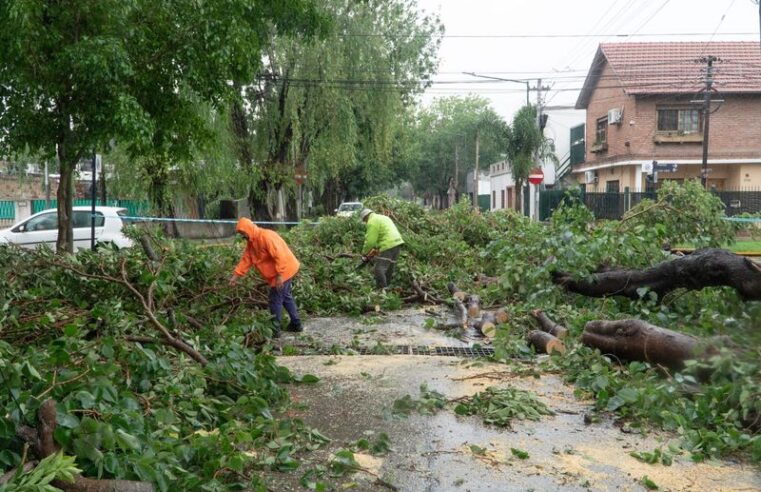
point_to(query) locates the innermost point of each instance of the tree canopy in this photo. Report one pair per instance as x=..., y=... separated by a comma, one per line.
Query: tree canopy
x=444, y=140
x=74, y=76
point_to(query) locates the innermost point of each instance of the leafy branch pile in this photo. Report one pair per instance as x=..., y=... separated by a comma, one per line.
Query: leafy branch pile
x=84, y=332
x=500, y=406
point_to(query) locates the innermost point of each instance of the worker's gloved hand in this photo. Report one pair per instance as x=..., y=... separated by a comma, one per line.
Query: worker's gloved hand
x=365, y=259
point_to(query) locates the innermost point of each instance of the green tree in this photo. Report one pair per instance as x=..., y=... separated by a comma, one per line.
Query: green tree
x=75, y=75
x=527, y=146
x=444, y=139
x=332, y=105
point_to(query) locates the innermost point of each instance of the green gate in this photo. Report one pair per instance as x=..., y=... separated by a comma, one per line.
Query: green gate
x=7, y=210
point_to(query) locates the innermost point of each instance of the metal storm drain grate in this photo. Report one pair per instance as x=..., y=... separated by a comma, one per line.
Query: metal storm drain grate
x=419, y=350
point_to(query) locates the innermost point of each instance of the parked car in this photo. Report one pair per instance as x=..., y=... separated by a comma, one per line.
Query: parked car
x=348, y=209
x=42, y=228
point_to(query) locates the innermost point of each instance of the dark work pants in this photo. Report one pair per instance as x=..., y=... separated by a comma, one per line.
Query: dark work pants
x=384, y=266
x=283, y=297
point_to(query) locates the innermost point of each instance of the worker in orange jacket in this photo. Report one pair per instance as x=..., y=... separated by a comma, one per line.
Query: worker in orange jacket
x=269, y=253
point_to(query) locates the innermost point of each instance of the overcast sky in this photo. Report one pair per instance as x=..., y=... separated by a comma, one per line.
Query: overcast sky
x=563, y=61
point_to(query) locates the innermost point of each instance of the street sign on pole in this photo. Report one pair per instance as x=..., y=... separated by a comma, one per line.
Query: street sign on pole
x=665, y=168
x=536, y=176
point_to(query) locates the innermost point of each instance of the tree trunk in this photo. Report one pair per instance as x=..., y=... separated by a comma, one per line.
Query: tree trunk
x=65, y=195
x=43, y=445
x=704, y=268
x=633, y=339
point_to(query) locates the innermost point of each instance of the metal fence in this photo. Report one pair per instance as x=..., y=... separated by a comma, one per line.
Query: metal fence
x=613, y=206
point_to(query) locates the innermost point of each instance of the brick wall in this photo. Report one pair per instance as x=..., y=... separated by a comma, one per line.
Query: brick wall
x=25, y=188
x=734, y=133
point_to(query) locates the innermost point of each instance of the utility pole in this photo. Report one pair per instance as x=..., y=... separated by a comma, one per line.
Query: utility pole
x=475, y=171
x=706, y=116
x=47, y=185
x=456, y=165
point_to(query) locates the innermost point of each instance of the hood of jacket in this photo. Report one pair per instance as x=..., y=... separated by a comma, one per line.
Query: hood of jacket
x=246, y=226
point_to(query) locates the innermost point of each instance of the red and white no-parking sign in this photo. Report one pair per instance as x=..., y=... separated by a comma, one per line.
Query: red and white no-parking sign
x=536, y=176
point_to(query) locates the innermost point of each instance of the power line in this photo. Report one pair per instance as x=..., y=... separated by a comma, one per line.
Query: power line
x=549, y=36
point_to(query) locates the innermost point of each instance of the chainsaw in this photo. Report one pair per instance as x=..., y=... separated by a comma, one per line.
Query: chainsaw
x=366, y=259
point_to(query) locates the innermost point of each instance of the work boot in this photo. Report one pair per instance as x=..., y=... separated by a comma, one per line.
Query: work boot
x=275, y=328
x=295, y=326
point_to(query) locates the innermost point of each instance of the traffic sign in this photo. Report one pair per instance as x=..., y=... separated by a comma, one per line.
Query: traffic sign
x=536, y=176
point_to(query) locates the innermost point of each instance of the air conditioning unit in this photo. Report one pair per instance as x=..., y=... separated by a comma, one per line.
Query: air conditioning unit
x=590, y=177
x=615, y=116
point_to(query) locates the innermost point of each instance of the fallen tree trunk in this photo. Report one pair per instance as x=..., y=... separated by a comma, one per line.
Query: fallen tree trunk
x=549, y=326
x=42, y=445
x=633, y=339
x=704, y=268
x=545, y=343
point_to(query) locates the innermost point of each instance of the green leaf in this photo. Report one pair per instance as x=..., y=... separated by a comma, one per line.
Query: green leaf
x=648, y=483
x=518, y=453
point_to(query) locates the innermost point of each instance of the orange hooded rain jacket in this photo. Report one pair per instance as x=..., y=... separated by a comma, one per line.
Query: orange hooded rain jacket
x=267, y=251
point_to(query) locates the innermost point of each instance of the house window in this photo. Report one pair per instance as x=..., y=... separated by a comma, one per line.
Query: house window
x=612, y=186
x=493, y=199
x=601, y=135
x=681, y=120
x=503, y=198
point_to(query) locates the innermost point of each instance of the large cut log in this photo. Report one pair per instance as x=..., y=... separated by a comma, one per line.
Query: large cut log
x=549, y=326
x=545, y=343
x=633, y=339
x=708, y=267
x=42, y=444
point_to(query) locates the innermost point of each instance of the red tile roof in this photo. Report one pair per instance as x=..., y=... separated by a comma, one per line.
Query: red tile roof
x=672, y=68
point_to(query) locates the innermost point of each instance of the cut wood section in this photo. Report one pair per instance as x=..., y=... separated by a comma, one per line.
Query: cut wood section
x=456, y=292
x=549, y=326
x=633, y=339
x=474, y=305
x=501, y=316
x=486, y=326
x=708, y=267
x=545, y=343
x=460, y=313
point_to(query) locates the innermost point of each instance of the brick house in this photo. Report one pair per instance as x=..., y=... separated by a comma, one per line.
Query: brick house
x=643, y=104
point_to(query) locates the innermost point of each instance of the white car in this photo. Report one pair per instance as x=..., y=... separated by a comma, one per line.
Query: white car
x=348, y=209
x=42, y=228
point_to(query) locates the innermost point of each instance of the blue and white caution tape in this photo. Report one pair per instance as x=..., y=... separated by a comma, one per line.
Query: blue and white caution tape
x=207, y=221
